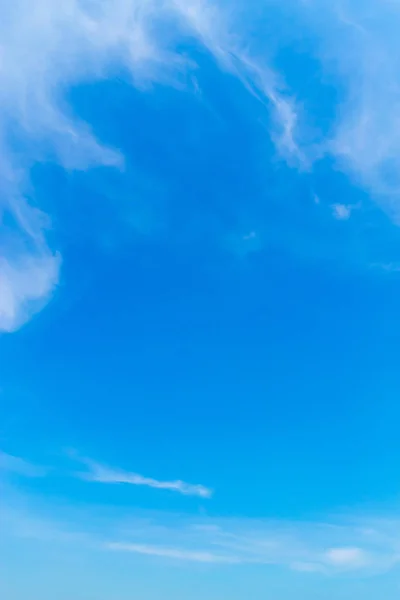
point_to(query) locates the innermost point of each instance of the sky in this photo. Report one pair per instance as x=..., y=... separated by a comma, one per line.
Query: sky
x=199, y=299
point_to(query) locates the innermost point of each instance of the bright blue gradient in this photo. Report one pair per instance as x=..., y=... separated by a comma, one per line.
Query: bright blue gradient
x=226, y=314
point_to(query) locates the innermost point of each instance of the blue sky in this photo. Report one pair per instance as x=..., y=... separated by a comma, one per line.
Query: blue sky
x=199, y=289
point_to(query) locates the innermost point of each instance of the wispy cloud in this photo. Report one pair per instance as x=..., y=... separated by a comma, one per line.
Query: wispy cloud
x=49, y=47
x=367, y=136
x=19, y=466
x=221, y=31
x=307, y=547
x=346, y=557
x=341, y=212
x=173, y=553
x=358, y=49
x=102, y=474
x=363, y=545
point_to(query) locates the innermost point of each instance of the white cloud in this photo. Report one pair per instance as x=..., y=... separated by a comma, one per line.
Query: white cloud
x=367, y=138
x=26, y=283
x=342, y=212
x=221, y=31
x=48, y=47
x=358, y=47
x=365, y=546
x=295, y=545
x=346, y=557
x=103, y=474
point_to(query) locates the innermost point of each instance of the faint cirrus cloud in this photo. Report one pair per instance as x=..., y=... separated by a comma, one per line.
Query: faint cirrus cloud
x=49, y=47
x=19, y=466
x=99, y=473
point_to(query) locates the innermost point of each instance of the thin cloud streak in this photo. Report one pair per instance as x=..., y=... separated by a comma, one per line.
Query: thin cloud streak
x=173, y=553
x=102, y=474
x=363, y=546
x=221, y=32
